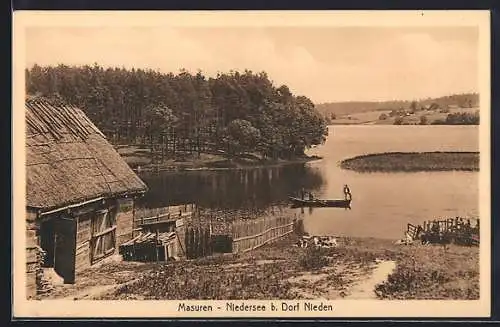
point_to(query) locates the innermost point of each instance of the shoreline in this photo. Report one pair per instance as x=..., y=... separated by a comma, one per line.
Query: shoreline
x=393, y=162
x=226, y=165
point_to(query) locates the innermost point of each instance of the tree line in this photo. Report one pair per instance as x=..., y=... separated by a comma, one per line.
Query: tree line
x=235, y=111
x=463, y=118
x=465, y=100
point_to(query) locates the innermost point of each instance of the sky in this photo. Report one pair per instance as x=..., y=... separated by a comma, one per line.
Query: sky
x=326, y=64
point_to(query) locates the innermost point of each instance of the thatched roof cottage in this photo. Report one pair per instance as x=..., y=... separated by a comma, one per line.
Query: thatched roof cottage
x=80, y=193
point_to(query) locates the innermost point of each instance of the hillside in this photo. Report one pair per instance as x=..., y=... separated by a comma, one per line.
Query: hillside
x=468, y=100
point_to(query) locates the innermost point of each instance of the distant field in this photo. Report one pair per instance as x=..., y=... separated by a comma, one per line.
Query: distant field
x=372, y=117
x=354, y=107
x=360, y=118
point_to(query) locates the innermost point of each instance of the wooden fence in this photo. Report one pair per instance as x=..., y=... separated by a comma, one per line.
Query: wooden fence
x=144, y=216
x=198, y=237
x=251, y=234
x=457, y=230
x=197, y=242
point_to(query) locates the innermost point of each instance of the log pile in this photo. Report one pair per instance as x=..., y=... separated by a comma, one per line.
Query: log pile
x=43, y=284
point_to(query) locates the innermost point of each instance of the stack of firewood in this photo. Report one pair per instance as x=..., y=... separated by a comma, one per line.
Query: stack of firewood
x=43, y=285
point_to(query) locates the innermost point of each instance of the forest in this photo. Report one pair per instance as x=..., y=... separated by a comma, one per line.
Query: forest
x=234, y=112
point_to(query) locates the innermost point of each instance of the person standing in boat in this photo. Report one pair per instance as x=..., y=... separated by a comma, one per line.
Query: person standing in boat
x=303, y=193
x=347, y=192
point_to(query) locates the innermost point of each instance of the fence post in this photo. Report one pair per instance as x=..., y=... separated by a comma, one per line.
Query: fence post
x=196, y=242
x=233, y=234
x=200, y=242
x=205, y=243
x=246, y=234
x=208, y=241
x=186, y=242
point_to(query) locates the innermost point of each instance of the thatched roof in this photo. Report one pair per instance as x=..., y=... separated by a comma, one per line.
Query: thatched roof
x=68, y=159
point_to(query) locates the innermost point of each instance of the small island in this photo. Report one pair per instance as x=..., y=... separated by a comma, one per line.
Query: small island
x=413, y=162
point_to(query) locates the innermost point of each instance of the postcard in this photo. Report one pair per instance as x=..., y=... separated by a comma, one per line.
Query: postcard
x=253, y=164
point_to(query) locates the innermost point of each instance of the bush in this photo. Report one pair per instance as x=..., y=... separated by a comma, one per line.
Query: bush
x=398, y=121
x=382, y=117
x=438, y=122
x=313, y=258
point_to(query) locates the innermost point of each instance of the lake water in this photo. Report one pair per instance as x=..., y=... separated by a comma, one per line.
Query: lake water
x=383, y=203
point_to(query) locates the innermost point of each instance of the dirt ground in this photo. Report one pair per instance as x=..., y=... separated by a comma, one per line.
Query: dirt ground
x=358, y=268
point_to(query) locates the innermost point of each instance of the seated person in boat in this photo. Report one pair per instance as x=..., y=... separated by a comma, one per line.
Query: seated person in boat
x=311, y=196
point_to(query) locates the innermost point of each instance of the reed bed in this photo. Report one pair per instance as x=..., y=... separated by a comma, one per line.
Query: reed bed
x=413, y=162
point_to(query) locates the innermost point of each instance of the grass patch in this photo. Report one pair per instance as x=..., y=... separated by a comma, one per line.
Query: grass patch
x=313, y=258
x=413, y=161
x=281, y=271
x=434, y=272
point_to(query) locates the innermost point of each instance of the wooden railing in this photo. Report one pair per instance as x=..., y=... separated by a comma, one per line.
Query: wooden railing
x=144, y=216
x=458, y=230
x=251, y=234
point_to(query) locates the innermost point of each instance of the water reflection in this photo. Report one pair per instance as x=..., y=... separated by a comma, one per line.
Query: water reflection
x=244, y=188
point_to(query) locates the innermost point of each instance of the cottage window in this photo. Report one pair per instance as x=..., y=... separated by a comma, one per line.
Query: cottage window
x=103, y=235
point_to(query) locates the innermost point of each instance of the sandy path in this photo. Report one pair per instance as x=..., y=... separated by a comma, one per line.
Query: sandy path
x=97, y=291
x=365, y=289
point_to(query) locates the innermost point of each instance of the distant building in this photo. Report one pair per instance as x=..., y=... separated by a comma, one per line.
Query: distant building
x=79, y=194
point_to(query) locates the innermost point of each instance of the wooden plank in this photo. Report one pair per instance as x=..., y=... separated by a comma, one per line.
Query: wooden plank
x=272, y=229
x=84, y=232
x=83, y=256
x=249, y=235
x=31, y=256
x=269, y=241
x=83, y=236
x=106, y=231
x=124, y=225
x=30, y=291
x=30, y=233
x=82, y=246
x=84, y=211
x=82, y=261
x=32, y=267
x=31, y=215
x=31, y=242
x=125, y=205
x=31, y=278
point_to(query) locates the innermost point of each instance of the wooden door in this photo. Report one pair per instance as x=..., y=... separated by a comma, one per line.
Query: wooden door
x=65, y=247
x=103, y=241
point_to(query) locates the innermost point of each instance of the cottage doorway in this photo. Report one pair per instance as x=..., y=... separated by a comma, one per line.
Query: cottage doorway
x=65, y=248
x=47, y=241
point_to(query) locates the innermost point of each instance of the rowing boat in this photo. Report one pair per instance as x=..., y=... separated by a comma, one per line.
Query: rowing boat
x=297, y=202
